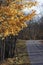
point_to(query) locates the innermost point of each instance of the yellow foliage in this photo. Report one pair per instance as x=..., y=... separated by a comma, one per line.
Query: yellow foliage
x=12, y=19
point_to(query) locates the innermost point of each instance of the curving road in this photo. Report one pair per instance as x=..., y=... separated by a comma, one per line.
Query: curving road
x=35, y=51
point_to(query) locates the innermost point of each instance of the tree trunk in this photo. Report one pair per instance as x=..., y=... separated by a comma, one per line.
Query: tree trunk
x=10, y=44
x=7, y=47
x=2, y=49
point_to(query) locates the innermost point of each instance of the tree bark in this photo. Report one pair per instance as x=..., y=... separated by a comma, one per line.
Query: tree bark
x=7, y=47
x=2, y=49
x=10, y=44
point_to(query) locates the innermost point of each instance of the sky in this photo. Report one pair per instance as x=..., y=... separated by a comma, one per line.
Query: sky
x=38, y=9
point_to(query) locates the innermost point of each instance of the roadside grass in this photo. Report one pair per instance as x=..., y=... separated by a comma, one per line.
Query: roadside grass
x=21, y=56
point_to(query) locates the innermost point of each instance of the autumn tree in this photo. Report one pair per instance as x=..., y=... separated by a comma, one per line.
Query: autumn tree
x=12, y=19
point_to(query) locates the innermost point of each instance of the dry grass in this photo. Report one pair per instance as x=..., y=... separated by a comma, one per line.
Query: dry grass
x=21, y=56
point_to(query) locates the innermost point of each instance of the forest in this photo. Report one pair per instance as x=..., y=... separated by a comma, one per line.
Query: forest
x=34, y=31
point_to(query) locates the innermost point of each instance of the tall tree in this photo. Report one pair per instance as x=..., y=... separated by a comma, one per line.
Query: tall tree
x=12, y=21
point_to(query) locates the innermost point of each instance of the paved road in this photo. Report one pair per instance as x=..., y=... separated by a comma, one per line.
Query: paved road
x=35, y=51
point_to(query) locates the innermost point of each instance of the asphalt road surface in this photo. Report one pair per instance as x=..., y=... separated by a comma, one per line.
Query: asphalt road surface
x=35, y=51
